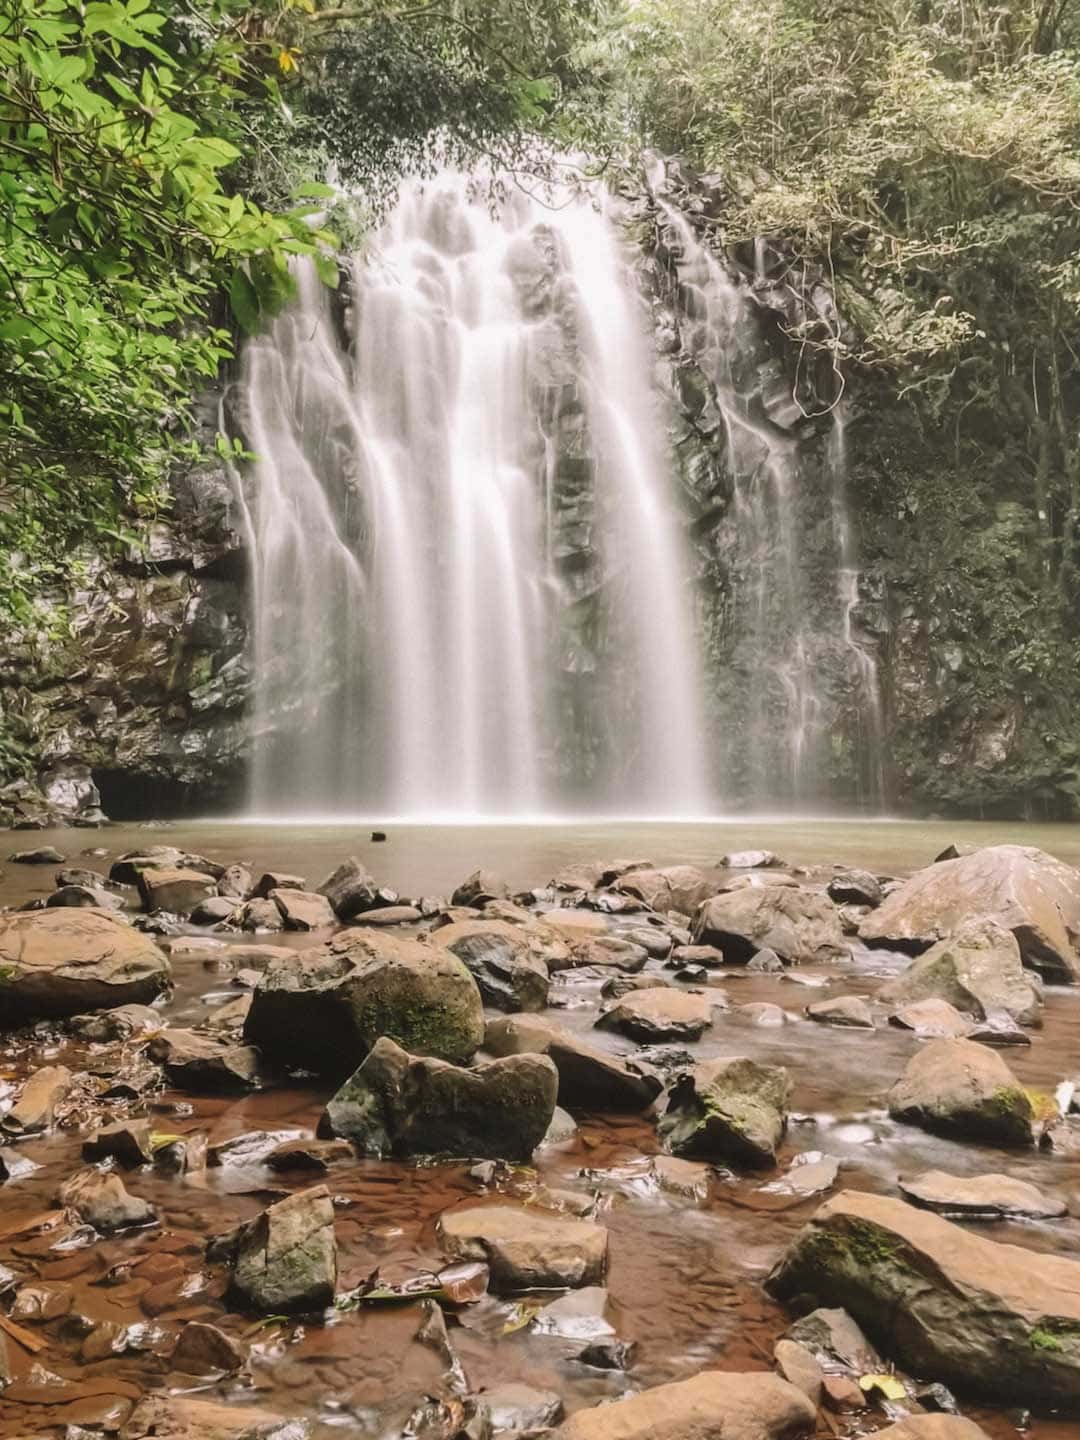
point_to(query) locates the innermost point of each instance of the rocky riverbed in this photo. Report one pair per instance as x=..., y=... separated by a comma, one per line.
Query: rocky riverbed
x=750, y=1147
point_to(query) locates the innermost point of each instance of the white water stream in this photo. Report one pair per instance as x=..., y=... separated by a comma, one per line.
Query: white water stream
x=407, y=602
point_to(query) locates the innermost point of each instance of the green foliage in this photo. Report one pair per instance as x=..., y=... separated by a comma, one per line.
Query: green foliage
x=116, y=228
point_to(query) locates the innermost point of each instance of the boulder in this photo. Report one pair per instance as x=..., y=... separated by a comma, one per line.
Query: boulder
x=259, y=916
x=84, y=897
x=102, y=1201
x=324, y=1008
x=589, y=1079
x=479, y=888
x=235, y=882
x=978, y=971
x=994, y=1320
x=401, y=1104
x=661, y=1013
x=1019, y=888
x=217, y=910
x=713, y=1405
x=276, y=880
x=43, y=1092
x=955, y=1087
x=851, y=1011
x=285, y=1259
x=729, y=1109
x=504, y=960
x=205, y=1350
x=43, y=855
x=351, y=890
x=174, y=890
x=525, y=1247
x=855, y=887
x=836, y=1342
x=204, y=1064
x=799, y=1368
x=978, y=1197
x=798, y=925
x=749, y=860
x=933, y=1019
x=119, y=1024
x=63, y=962
x=676, y=887
x=303, y=909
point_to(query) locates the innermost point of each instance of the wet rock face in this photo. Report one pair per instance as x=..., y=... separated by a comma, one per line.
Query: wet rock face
x=506, y=963
x=978, y=972
x=64, y=961
x=157, y=719
x=324, y=1008
x=401, y=1104
x=994, y=1320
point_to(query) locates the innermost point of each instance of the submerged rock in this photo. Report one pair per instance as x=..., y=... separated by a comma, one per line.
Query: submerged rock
x=504, y=960
x=1019, y=888
x=514, y=1408
x=401, y=1104
x=978, y=971
x=324, y=1008
x=796, y=924
x=589, y=1079
x=205, y=1350
x=62, y=962
x=526, y=1248
x=995, y=1320
x=203, y=1063
x=731, y=1109
x=955, y=1087
x=935, y=1019
x=714, y=1405
x=980, y=1196
x=286, y=1258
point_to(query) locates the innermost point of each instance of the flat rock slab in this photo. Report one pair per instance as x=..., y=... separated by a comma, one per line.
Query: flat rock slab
x=303, y=909
x=715, y=1405
x=934, y=1019
x=66, y=961
x=526, y=1248
x=995, y=1196
x=851, y=1011
x=661, y=1013
x=947, y=1303
x=177, y=891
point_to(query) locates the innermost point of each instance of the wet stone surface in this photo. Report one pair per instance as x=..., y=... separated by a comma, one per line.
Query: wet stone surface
x=98, y=1319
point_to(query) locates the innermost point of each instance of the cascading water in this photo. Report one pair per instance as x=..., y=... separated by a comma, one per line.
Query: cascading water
x=421, y=463
x=793, y=581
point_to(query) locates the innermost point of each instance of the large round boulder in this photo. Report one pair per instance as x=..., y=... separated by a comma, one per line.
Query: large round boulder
x=64, y=961
x=959, y=1088
x=799, y=925
x=323, y=1009
x=1019, y=888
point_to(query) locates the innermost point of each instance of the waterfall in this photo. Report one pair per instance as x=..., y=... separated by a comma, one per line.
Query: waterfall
x=471, y=587
x=793, y=577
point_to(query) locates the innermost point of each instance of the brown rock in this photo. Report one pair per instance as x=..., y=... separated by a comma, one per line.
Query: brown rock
x=36, y=1106
x=799, y=925
x=525, y=1247
x=980, y=1196
x=178, y=1417
x=206, y=1350
x=286, y=1258
x=303, y=909
x=506, y=961
x=103, y=1203
x=842, y=1394
x=64, y=962
x=676, y=887
x=978, y=971
x=177, y=891
x=589, y=1079
x=799, y=1368
x=955, y=1087
x=933, y=1019
x=1019, y=888
x=126, y=1141
x=661, y=1013
x=276, y=880
x=714, y=1405
x=204, y=1064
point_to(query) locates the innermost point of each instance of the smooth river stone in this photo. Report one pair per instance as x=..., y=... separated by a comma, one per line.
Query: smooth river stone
x=992, y=1196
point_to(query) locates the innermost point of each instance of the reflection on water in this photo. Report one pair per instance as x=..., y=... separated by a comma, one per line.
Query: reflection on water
x=685, y=1280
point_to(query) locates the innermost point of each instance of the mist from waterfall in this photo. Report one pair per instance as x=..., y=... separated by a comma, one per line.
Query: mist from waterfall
x=410, y=593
